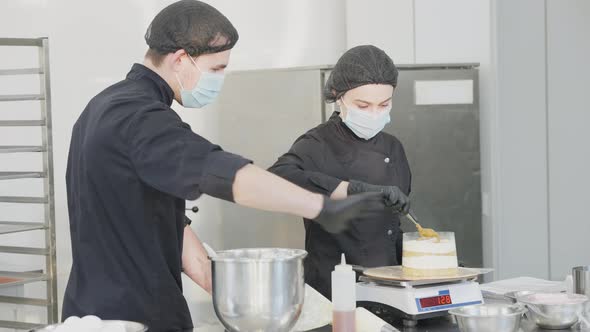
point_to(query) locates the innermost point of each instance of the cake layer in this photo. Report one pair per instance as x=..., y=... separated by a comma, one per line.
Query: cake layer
x=411, y=272
x=430, y=246
x=430, y=262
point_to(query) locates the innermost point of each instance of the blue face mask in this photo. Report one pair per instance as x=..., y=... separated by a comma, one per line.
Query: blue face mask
x=204, y=92
x=364, y=124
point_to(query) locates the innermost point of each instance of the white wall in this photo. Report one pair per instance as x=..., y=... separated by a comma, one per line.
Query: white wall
x=386, y=24
x=522, y=139
x=541, y=69
x=568, y=115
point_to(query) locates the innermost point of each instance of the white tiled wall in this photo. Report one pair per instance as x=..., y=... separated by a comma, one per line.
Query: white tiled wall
x=521, y=139
x=452, y=31
x=568, y=44
x=388, y=24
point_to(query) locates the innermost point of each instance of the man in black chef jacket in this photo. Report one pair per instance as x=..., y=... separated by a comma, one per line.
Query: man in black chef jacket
x=133, y=162
x=350, y=154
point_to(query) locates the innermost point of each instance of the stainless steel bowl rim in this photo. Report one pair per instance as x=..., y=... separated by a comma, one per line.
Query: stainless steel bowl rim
x=518, y=310
x=525, y=299
x=296, y=254
x=515, y=295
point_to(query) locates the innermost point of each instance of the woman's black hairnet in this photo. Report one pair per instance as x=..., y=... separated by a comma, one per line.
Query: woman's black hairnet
x=192, y=25
x=360, y=65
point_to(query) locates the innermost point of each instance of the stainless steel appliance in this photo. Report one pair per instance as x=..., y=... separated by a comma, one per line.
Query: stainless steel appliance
x=417, y=300
x=581, y=279
x=435, y=114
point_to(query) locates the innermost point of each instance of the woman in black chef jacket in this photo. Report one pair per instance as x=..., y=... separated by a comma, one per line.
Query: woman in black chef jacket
x=350, y=154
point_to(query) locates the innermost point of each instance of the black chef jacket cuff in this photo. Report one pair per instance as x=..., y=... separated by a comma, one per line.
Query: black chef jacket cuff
x=325, y=182
x=220, y=174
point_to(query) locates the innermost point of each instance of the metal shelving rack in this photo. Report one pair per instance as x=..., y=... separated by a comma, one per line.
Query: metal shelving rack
x=48, y=274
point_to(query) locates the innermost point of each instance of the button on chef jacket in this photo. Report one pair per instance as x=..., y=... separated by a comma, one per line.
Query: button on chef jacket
x=132, y=164
x=319, y=161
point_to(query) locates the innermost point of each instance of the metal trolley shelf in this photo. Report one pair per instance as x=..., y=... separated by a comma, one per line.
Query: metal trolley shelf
x=48, y=273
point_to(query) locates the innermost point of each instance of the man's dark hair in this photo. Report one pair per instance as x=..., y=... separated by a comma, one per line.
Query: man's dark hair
x=192, y=25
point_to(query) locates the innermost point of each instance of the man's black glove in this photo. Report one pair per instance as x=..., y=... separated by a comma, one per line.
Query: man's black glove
x=393, y=196
x=336, y=215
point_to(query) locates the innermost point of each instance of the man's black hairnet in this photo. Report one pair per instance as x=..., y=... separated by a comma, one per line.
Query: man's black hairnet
x=360, y=65
x=192, y=25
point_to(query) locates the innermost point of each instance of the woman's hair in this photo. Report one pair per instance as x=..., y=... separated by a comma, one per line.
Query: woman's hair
x=360, y=65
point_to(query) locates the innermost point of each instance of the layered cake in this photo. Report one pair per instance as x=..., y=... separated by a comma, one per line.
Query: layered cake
x=429, y=257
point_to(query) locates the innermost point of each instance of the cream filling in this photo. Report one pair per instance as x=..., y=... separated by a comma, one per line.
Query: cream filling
x=413, y=254
x=430, y=246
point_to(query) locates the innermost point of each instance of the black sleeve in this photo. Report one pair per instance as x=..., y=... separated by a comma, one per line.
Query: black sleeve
x=298, y=165
x=170, y=157
x=401, y=152
x=187, y=221
x=409, y=170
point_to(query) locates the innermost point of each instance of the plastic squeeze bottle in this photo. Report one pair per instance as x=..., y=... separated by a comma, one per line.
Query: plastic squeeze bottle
x=343, y=298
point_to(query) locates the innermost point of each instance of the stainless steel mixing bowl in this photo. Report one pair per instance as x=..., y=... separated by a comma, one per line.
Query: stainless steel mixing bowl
x=489, y=317
x=258, y=290
x=551, y=315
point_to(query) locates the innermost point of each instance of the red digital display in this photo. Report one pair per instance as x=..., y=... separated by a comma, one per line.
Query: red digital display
x=435, y=301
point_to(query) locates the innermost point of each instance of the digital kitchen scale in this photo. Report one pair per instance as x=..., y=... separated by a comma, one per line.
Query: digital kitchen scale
x=418, y=299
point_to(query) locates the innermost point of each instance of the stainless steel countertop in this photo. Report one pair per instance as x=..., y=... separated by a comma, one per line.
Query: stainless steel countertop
x=442, y=324
x=207, y=322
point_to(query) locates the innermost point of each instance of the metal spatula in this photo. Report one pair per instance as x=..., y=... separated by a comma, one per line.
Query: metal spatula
x=424, y=232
